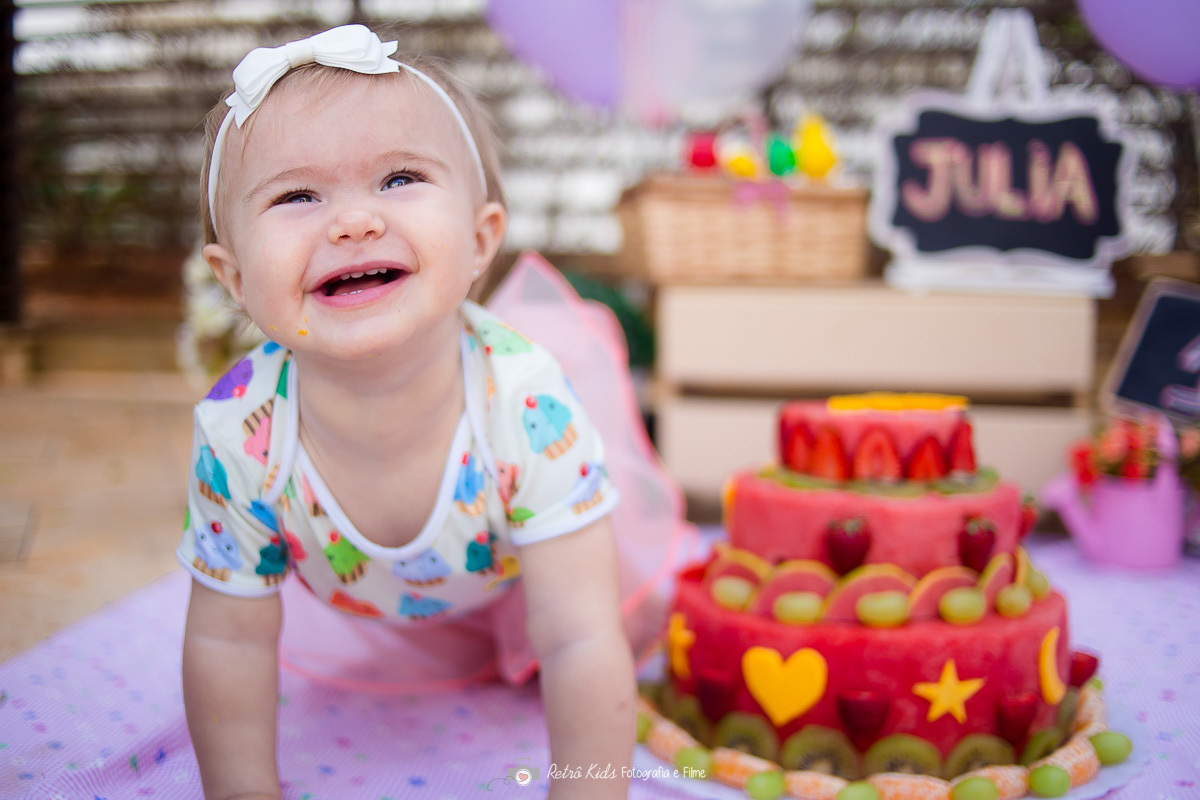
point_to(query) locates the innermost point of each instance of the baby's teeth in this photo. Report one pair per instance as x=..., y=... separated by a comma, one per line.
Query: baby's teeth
x=373, y=272
x=356, y=274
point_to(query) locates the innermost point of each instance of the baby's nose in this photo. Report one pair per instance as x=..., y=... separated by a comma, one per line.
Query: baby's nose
x=355, y=225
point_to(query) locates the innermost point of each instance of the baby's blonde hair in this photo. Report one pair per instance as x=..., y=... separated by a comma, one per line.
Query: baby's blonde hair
x=322, y=81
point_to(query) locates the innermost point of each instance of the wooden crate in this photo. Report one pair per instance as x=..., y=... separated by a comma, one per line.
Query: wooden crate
x=683, y=228
x=727, y=356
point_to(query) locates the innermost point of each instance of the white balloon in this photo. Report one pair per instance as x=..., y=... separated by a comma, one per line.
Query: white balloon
x=697, y=60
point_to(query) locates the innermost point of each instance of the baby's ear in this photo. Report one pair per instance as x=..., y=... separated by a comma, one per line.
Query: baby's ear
x=490, y=225
x=225, y=268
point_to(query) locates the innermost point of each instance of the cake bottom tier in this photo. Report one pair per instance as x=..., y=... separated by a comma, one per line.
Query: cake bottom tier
x=1005, y=678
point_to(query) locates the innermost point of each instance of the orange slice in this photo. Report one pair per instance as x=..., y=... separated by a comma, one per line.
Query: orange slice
x=665, y=739
x=897, y=786
x=813, y=785
x=1012, y=781
x=732, y=767
x=1077, y=757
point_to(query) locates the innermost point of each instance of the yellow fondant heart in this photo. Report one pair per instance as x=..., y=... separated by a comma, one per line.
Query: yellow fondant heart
x=785, y=689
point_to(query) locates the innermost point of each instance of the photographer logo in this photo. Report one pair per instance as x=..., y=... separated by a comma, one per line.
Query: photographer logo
x=522, y=774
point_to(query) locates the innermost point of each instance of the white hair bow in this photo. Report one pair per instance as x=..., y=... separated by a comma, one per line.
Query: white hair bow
x=353, y=47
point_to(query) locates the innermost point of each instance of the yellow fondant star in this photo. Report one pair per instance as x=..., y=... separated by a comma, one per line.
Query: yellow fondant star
x=949, y=694
x=679, y=641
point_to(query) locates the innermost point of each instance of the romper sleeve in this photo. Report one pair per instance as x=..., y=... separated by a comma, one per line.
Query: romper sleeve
x=550, y=457
x=231, y=541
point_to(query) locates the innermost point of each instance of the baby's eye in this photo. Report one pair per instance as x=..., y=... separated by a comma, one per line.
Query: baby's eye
x=404, y=178
x=302, y=196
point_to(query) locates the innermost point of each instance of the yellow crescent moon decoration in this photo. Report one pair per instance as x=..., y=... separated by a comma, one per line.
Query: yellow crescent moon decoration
x=1053, y=689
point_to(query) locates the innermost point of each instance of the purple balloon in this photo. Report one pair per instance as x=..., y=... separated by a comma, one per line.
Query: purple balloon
x=576, y=42
x=1157, y=39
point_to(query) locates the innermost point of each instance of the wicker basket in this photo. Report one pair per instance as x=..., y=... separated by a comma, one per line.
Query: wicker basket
x=683, y=228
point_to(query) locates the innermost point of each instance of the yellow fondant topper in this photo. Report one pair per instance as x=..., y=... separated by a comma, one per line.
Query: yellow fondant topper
x=949, y=695
x=785, y=689
x=896, y=401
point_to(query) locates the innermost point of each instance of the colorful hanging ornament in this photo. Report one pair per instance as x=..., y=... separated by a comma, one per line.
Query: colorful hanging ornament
x=738, y=158
x=781, y=159
x=700, y=148
x=814, y=143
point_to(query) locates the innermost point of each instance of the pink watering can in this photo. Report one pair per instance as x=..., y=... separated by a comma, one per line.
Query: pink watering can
x=1125, y=522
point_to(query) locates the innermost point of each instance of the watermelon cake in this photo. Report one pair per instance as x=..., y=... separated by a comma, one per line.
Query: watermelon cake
x=872, y=629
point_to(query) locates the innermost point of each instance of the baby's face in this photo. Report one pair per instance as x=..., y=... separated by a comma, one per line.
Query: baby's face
x=373, y=181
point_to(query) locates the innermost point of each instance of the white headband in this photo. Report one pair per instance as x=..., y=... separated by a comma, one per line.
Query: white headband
x=352, y=47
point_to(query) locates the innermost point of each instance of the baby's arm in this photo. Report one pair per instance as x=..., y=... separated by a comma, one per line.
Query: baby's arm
x=231, y=690
x=587, y=673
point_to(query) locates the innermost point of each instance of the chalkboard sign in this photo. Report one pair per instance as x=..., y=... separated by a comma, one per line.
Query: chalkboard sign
x=977, y=184
x=1007, y=184
x=1158, y=364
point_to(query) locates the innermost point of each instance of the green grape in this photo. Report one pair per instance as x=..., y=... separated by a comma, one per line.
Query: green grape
x=963, y=605
x=882, y=609
x=1049, y=781
x=798, y=608
x=1013, y=600
x=765, y=785
x=1038, y=583
x=732, y=592
x=975, y=789
x=858, y=790
x=644, y=724
x=1111, y=747
x=696, y=762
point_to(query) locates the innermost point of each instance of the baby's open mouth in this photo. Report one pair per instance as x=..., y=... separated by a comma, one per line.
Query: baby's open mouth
x=355, y=282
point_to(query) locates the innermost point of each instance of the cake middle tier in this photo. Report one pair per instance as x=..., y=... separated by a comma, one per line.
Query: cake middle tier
x=919, y=533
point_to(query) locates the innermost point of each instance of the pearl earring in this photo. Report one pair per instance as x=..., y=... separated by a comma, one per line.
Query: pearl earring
x=474, y=274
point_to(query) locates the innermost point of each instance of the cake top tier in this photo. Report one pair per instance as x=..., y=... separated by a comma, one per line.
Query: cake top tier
x=878, y=436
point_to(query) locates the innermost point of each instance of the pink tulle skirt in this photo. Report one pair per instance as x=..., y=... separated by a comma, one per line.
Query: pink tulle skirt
x=653, y=538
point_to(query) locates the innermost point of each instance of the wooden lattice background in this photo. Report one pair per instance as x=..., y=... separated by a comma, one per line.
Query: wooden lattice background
x=111, y=95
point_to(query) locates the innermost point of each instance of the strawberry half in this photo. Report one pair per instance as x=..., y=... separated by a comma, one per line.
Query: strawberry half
x=1014, y=715
x=876, y=458
x=847, y=541
x=926, y=462
x=863, y=712
x=975, y=543
x=828, y=459
x=960, y=454
x=1083, y=667
x=795, y=441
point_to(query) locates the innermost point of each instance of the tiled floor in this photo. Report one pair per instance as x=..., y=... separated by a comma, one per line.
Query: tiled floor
x=92, y=494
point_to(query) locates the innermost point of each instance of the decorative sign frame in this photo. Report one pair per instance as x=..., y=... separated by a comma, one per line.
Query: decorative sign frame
x=1002, y=188
x=1158, y=363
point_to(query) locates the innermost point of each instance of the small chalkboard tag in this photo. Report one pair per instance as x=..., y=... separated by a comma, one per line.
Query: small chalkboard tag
x=1002, y=190
x=1158, y=363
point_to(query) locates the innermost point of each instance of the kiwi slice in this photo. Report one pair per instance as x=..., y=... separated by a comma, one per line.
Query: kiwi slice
x=976, y=751
x=820, y=749
x=749, y=733
x=1041, y=744
x=795, y=480
x=902, y=752
x=684, y=709
x=902, y=489
x=1065, y=718
x=982, y=481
